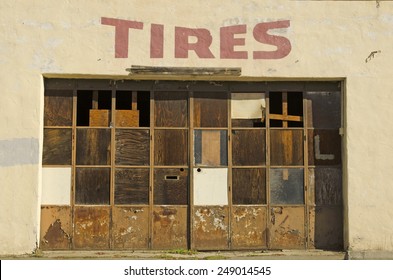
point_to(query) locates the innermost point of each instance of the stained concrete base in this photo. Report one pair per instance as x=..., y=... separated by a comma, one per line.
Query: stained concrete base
x=370, y=255
x=187, y=255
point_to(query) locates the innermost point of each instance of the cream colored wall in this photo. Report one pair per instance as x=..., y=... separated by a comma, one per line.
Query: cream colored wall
x=330, y=39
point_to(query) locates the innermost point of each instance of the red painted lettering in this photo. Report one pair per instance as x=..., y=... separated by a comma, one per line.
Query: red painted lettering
x=201, y=46
x=121, y=33
x=157, y=41
x=228, y=42
x=261, y=35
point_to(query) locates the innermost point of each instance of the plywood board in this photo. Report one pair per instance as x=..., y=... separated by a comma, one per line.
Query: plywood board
x=93, y=146
x=56, y=186
x=248, y=147
x=324, y=147
x=57, y=149
x=248, y=123
x=249, y=186
x=58, y=108
x=171, y=109
x=248, y=227
x=323, y=109
x=91, y=229
x=55, y=227
x=132, y=147
x=131, y=186
x=99, y=117
x=210, y=148
x=325, y=186
x=210, y=186
x=171, y=186
x=171, y=147
x=127, y=118
x=286, y=147
x=170, y=226
x=130, y=227
x=210, y=109
x=326, y=228
x=286, y=228
x=92, y=185
x=248, y=105
x=210, y=228
x=287, y=186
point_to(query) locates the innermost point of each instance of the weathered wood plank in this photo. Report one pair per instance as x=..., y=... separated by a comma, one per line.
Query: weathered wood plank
x=171, y=147
x=170, y=109
x=325, y=186
x=93, y=146
x=171, y=186
x=92, y=185
x=210, y=109
x=131, y=186
x=249, y=186
x=132, y=147
x=324, y=147
x=324, y=109
x=286, y=147
x=58, y=108
x=57, y=149
x=248, y=147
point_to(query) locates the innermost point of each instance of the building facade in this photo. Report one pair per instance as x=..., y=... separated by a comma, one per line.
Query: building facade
x=209, y=126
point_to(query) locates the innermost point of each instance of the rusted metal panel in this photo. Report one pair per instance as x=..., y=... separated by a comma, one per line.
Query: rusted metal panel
x=57, y=146
x=210, y=228
x=130, y=227
x=286, y=230
x=171, y=186
x=93, y=146
x=171, y=147
x=55, y=228
x=210, y=109
x=248, y=147
x=286, y=147
x=326, y=228
x=325, y=186
x=132, y=147
x=91, y=229
x=324, y=109
x=248, y=227
x=249, y=186
x=170, y=109
x=58, y=108
x=287, y=185
x=324, y=147
x=92, y=185
x=170, y=226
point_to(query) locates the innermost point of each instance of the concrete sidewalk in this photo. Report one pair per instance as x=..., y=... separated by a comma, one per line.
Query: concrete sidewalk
x=186, y=255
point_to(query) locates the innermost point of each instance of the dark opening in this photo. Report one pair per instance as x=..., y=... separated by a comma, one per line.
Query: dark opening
x=275, y=103
x=123, y=100
x=84, y=104
x=105, y=100
x=295, y=107
x=144, y=108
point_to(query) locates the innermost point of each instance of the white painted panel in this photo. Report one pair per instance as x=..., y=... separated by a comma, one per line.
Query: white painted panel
x=56, y=186
x=210, y=186
x=248, y=105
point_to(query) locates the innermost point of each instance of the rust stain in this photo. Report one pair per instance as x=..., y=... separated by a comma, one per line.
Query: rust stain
x=130, y=227
x=248, y=227
x=92, y=228
x=211, y=227
x=55, y=227
x=170, y=227
x=288, y=230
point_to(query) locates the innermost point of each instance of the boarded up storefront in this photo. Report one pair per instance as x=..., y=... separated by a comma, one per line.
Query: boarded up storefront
x=200, y=165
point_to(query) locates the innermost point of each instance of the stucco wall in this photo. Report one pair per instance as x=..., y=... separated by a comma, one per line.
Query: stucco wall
x=329, y=39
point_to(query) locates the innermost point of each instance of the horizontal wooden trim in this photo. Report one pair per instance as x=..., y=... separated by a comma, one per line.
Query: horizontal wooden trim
x=285, y=118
